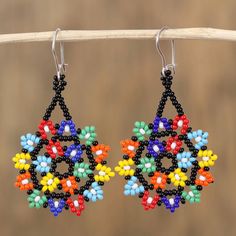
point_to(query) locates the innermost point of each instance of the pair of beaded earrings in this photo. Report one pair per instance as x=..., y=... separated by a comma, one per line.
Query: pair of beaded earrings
x=44, y=152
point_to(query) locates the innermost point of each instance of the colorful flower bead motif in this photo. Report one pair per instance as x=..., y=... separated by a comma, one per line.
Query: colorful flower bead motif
x=67, y=127
x=101, y=152
x=159, y=180
x=104, y=173
x=193, y=196
x=88, y=134
x=62, y=167
x=54, y=149
x=43, y=164
x=82, y=170
x=77, y=205
x=95, y=193
x=29, y=141
x=20, y=160
x=185, y=159
x=36, y=200
x=56, y=207
x=124, y=167
x=178, y=178
x=74, y=152
x=204, y=178
x=129, y=147
x=155, y=148
x=172, y=204
x=160, y=123
x=23, y=181
x=207, y=158
x=69, y=184
x=149, y=202
x=132, y=188
x=180, y=122
x=141, y=130
x=46, y=127
x=147, y=165
x=49, y=182
x=199, y=137
x=173, y=145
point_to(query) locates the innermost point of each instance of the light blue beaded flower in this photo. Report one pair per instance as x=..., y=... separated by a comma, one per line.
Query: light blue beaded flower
x=200, y=138
x=95, y=193
x=185, y=159
x=132, y=188
x=28, y=141
x=42, y=164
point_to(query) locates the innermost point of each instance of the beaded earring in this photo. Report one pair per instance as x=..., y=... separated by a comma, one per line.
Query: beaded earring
x=166, y=139
x=44, y=154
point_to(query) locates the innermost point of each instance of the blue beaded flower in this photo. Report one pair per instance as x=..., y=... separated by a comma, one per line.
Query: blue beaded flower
x=74, y=152
x=95, y=193
x=67, y=126
x=132, y=188
x=28, y=141
x=200, y=138
x=160, y=123
x=185, y=159
x=42, y=164
x=56, y=207
x=155, y=147
x=171, y=203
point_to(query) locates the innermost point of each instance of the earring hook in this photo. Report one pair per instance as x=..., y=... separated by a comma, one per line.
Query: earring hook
x=166, y=66
x=60, y=67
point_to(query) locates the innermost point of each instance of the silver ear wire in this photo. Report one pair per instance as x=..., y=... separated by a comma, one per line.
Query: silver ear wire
x=60, y=66
x=166, y=66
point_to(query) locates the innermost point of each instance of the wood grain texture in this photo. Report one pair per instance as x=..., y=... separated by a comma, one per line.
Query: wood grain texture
x=84, y=35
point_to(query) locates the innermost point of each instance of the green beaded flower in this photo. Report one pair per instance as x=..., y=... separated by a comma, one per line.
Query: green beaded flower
x=193, y=195
x=147, y=165
x=35, y=200
x=82, y=170
x=141, y=129
x=88, y=134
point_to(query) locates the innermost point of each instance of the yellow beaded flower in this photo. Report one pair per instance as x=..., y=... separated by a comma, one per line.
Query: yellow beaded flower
x=49, y=182
x=178, y=177
x=104, y=173
x=20, y=161
x=208, y=158
x=124, y=167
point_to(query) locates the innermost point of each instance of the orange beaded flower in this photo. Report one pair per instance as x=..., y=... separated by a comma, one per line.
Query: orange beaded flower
x=23, y=181
x=101, y=152
x=128, y=147
x=69, y=184
x=205, y=178
x=159, y=180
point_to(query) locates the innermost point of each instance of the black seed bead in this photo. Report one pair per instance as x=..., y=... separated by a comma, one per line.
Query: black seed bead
x=134, y=138
x=206, y=168
x=30, y=191
x=95, y=143
x=199, y=187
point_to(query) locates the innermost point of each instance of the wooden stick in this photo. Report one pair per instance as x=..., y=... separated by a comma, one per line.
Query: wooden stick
x=83, y=35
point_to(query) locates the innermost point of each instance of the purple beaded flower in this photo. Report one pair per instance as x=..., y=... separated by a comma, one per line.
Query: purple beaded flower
x=160, y=124
x=56, y=207
x=67, y=126
x=171, y=203
x=155, y=148
x=74, y=152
